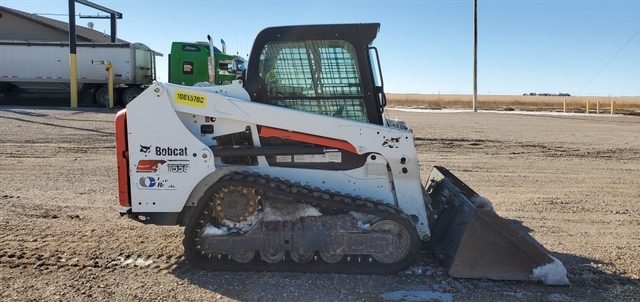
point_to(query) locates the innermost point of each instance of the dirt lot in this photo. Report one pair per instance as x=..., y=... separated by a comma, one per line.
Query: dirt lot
x=572, y=180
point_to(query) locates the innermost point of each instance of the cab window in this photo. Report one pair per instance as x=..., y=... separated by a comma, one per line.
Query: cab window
x=314, y=76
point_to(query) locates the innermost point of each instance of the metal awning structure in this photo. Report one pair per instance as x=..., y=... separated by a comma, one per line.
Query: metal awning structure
x=113, y=15
x=73, y=69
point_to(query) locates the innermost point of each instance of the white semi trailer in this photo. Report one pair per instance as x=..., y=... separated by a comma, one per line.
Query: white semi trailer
x=43, y=68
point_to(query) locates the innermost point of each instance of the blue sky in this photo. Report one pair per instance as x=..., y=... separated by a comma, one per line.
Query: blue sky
x=425, y=46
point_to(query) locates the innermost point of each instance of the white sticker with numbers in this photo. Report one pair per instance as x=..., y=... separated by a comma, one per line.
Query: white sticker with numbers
x=331, y=157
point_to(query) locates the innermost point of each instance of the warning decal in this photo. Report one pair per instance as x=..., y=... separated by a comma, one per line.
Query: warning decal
x=331, y=157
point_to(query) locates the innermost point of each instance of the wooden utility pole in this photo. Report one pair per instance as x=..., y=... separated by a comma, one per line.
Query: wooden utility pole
x=475, y=55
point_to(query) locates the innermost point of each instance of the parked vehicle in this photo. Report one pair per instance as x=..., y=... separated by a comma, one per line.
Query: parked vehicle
x=43, y=68
x=191, y=63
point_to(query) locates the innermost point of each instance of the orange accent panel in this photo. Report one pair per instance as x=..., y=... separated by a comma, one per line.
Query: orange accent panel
x=149, y=165
x=308, y=138
x=122, y=157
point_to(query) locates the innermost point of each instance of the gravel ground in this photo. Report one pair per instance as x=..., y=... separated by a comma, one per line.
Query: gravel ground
x=571, y=181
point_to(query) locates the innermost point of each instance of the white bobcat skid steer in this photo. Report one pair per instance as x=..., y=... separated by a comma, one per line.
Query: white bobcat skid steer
x=296, y=168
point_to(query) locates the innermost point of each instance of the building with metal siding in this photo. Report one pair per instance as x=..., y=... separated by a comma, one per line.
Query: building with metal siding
x=17, y=25
x=35, y=60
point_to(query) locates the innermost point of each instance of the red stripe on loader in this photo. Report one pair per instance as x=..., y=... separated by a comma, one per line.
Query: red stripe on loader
x=307, y=138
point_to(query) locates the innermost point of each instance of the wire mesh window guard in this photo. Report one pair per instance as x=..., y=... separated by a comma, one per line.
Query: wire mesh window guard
x=314, y=76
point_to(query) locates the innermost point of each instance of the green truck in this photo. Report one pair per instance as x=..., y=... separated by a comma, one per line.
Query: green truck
x=190, y=63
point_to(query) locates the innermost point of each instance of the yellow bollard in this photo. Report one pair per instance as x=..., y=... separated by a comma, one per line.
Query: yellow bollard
x=587, y=110
x=598, y=107
x=109, y=67
x=73, y=85
x=564, y=107
x=613, y=107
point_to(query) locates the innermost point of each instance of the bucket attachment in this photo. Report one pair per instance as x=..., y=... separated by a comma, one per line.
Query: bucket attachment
x=477, y=243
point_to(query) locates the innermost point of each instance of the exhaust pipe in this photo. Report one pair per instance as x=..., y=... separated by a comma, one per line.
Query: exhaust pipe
x=211, y=62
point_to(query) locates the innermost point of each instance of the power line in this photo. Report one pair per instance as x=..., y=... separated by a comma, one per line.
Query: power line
x=605, y=65
x=52, y=14
x=49, y=14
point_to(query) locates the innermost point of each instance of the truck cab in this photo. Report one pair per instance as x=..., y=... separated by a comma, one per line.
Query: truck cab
x=189, y=64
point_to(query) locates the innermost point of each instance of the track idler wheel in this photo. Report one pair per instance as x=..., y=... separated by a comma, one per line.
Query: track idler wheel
x=272, y=257
x=331, y=257
x=301, y=256
x=402, y=242
x=243, y=256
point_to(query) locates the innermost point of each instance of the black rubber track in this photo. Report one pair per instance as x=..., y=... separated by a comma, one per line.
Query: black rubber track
x=294, y=192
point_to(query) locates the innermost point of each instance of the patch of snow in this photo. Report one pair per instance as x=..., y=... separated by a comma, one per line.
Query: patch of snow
x=486, y=284
x=270, y=211
x=139, y=262
x=522, y=295
x=559, y=298
x=288, y=211
x=442, y=285
x=419, y=270
x=517, y=295
x=242, y=226
x=142, y=263
x=482, y=203
x=414, y=270
x=553, y=273
x=213, y=231
x=459, y=285
x=363, y=226
x=419, y=295
x=446, y=110
x=364, y=218
x=310, y=211
x=414, y=109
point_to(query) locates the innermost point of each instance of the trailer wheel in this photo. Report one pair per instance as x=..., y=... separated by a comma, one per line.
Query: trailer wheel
x=102, y=96
x=130, y=93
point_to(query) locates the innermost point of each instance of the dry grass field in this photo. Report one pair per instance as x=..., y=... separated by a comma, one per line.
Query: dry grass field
x=501, y=102
x=570, y=181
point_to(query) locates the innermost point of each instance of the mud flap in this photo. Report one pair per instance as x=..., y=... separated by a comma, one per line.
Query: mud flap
x=477, y=243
